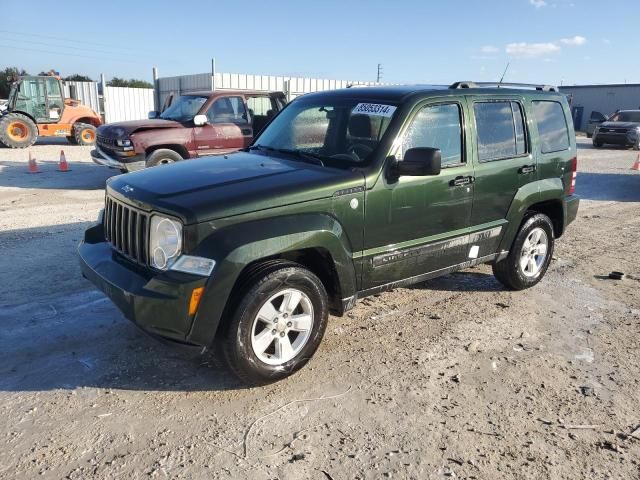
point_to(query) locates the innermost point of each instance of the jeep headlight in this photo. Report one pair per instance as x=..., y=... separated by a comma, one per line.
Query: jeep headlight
x=123, y=142
x=165, y=241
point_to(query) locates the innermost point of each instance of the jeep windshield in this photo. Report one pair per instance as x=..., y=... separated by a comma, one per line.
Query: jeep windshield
x=184, y=108
x=332, y=131
x=626, y=116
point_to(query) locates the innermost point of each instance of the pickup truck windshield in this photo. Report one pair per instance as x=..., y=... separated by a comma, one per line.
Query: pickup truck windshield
x=339, y=131
x=628, y=116
x=184, y=108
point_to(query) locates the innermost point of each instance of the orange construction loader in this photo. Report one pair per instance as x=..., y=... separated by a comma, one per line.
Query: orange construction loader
x=37, y=107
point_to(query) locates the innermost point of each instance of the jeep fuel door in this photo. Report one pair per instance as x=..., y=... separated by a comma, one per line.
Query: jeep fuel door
x=227, y=128
x=417, y=224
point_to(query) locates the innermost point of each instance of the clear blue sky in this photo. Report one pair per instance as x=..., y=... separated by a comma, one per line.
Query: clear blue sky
x=547, y=41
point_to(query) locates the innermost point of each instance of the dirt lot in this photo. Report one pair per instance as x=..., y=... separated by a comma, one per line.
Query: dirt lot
x=452, y=378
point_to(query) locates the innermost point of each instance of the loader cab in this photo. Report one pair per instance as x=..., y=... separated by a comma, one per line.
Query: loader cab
x=39, y=97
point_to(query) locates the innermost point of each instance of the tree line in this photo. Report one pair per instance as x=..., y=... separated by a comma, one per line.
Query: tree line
x=9, y=73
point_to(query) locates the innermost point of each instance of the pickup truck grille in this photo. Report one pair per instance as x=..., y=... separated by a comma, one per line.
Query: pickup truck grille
x=102, y=140
x=127, y=230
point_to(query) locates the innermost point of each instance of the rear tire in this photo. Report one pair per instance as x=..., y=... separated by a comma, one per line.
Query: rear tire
x=17, y=131
x=530, y=254
x=84, y=134
x=72, y=140
x=277, y=325
x=163, y=156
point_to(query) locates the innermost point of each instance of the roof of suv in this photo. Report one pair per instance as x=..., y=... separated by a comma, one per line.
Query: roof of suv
x=399, y=93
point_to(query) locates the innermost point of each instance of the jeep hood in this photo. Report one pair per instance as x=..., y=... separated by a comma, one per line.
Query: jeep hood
x=210, y=188
x=124, y=129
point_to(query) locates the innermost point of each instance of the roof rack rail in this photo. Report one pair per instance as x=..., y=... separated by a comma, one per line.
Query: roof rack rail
x=543, y=88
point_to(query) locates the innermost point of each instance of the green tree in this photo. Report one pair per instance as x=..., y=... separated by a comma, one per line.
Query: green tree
x=132, y=83
x=6, y=78
x=78, y=78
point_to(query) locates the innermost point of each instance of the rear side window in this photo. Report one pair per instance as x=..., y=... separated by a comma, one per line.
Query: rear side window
x=552, y=126
x=501, y=130
x=437, y=126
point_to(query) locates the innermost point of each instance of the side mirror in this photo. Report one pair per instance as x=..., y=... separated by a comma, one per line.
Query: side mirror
x=419, y=162
x=200, y=120
x=153, y=114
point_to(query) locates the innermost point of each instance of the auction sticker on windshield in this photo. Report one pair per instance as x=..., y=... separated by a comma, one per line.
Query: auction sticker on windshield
x=374, y=109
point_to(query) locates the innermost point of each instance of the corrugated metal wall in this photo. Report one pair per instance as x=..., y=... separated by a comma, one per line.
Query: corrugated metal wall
x=605, y=99
x=240, y=81
x=122, y=103
x=85, y=92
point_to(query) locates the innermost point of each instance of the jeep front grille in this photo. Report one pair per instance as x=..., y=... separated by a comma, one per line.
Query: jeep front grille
x=127, y=230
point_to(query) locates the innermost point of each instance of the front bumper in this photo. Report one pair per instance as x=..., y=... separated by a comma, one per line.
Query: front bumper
x=130, y=164
x=615, y=139
x=158, y=302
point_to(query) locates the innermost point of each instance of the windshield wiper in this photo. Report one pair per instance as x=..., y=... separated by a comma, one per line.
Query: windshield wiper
x=305, y=156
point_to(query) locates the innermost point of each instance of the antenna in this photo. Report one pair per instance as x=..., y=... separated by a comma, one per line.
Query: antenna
x=504, y=73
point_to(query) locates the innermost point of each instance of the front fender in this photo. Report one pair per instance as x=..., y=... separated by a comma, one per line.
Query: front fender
x=237, y=246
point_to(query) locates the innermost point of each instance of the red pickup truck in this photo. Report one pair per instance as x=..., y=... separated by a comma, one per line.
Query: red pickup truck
x=191, y=126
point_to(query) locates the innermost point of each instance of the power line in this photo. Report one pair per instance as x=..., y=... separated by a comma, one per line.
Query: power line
x=49, y=44
x=66, y=54
x=11, y=32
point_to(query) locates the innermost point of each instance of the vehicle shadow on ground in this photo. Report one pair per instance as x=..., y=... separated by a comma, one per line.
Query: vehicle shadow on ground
x=109, y=354
x=623, y=187
x=463, y=281
x=63, y=142
x=588, y=145
x=81, y=176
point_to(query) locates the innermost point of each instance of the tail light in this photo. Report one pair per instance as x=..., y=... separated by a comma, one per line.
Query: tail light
x=574, y=174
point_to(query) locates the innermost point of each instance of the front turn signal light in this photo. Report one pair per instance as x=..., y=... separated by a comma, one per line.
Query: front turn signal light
x=194, y=303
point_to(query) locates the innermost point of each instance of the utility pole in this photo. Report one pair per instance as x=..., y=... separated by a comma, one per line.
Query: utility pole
x=379, y=76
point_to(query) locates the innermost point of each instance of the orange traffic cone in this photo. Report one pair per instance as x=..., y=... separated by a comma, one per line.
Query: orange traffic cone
x=63, y=166
x=33, y=166
x=636, y=165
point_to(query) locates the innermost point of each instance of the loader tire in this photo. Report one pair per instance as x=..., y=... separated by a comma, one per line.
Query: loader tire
x=17, y=131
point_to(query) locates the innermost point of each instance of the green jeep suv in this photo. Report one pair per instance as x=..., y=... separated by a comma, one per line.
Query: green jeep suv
x=344, y=194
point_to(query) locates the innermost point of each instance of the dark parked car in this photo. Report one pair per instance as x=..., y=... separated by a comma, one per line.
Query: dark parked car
x=193, y=125
x=346, y=193
x=622, y=128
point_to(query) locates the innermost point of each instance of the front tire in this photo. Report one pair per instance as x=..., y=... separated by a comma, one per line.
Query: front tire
x=530, y=254
x=17, y=131
x=162, y=156
x=277, y=325
x=597, y=144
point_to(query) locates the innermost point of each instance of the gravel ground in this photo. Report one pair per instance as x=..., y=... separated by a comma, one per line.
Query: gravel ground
x=452, y=378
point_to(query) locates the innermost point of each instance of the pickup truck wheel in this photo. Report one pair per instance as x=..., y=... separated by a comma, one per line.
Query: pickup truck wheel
x=529, y=256
x=162, y=156
x=277, y=325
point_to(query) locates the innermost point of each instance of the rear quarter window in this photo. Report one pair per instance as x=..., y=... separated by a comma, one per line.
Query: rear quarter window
x=552, y=126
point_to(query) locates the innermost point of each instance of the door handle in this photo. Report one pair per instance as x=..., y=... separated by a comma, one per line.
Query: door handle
x=527, y=169
x=460, y=181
